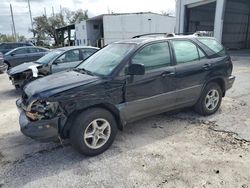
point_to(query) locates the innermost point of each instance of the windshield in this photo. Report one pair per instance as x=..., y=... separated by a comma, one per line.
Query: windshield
x=106, y=60
x=50, y=56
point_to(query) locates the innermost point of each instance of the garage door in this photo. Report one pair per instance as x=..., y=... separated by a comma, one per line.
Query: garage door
x=200, y=18
x=236, y=24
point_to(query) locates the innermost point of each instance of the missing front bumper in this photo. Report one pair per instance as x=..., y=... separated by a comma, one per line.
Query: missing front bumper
x=42, y=130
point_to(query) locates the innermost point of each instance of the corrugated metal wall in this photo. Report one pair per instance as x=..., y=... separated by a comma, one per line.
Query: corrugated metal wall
x=200, y=18
x=236, y=24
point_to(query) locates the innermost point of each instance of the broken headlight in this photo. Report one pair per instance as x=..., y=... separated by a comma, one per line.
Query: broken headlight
x=42, y=110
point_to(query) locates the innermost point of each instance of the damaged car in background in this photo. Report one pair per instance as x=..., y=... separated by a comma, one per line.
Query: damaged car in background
x=57, y=60
x=124, y=82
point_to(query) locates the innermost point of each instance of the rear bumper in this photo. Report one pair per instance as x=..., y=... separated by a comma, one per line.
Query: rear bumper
x=229, y=82
x=42, y=130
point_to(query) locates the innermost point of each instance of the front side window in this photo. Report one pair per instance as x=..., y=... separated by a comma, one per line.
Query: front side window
x=20, y=51
x=69, y=56
x=49, y=57
x=213, y=45
x=104, y=61
x=185, y=51
x=153, y=56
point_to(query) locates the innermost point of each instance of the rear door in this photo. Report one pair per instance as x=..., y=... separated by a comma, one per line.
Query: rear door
x=192, y=68
x=18, y=57
x=67, y=60
x=35, y=53
x=150, y=93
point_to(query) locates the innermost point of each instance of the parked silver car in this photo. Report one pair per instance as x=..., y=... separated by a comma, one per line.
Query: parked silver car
x=20, y=55
x=57, y=60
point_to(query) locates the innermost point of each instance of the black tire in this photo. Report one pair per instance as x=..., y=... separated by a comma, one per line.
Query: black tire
x=200, y=106
x=82, y=122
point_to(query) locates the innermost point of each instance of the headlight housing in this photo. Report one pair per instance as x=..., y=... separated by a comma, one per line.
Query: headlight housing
x=42, y=110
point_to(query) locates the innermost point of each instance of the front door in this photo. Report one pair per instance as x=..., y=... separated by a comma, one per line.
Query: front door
x=68, y=60
x=150, y=93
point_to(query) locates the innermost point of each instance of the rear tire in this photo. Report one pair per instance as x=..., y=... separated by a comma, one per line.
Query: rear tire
x=210, y=100
x=93, y=131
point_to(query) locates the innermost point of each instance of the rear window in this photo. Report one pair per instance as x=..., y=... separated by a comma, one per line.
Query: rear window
x=215, y=46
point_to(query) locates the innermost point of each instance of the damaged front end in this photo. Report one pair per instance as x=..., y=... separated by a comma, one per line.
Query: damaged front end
x=39, y=119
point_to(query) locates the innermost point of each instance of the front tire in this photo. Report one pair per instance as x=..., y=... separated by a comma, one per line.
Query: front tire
x=93, y=131
x=210, y=100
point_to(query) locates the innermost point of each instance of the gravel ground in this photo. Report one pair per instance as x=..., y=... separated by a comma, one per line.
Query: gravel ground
x=168, y=150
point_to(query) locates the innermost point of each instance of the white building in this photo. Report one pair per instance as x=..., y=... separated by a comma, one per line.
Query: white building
x=227, y=19
x=107, y=28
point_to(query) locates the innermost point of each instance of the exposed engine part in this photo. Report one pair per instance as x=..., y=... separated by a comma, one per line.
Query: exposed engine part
x=42, y=110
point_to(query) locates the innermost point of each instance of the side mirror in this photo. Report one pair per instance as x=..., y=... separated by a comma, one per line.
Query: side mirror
x=13, y=54
x=136, y=69
x=56, y=62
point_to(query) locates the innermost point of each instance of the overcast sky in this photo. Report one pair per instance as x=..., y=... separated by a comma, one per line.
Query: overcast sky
x=95, y=7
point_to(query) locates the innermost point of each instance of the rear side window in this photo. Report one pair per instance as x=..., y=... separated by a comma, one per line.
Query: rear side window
x=186, y=51
x=153, y=56
x=21, y=51
x=33, y=50
x=213, y=45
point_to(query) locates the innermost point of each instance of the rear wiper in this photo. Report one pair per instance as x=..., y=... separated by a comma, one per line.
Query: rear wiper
x=83, y=70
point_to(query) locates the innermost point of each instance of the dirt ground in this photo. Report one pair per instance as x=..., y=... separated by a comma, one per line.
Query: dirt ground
x=168, y=150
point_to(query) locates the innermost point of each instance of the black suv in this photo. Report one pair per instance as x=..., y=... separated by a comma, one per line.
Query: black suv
x=123, y=82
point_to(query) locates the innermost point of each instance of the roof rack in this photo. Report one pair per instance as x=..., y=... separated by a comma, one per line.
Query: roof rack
x=196, y=34
x=150, y=34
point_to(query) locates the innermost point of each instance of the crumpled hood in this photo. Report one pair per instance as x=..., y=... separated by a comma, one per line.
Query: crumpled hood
x=21, y=68
x=58, y=82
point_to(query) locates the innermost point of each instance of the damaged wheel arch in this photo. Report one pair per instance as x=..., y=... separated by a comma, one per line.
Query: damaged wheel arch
x=64, y=130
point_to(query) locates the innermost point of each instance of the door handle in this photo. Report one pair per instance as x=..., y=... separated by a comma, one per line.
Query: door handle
x=167, y=74
x=207, y=66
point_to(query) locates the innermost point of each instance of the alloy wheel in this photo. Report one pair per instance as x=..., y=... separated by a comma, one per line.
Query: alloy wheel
x=97, y=133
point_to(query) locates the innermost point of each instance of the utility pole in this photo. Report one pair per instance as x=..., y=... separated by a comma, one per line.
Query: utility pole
x=12, y=29
x=13, y=22
x=45, y=14
x=53, y=13
x=31, y=20
x=61, y=9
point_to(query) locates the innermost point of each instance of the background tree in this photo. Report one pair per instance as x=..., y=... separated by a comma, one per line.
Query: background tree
x=72, y=17
x=46, y=26
x=11, y=38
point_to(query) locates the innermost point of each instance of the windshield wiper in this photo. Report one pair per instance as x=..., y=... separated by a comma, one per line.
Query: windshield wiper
x=83, y=70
